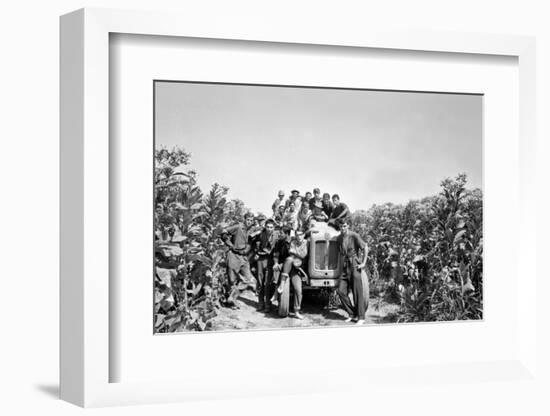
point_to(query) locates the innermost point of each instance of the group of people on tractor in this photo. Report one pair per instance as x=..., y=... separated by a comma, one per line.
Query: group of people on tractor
x=296, y=211
x=263, y=252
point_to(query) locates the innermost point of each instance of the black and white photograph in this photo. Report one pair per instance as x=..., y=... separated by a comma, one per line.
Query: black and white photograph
x=280, y=207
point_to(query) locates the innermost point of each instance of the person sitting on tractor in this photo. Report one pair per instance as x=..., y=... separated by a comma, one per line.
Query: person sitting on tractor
x=316, y=206
x=296, y=198
x=328, y=206
x=279, y=216
x=307, y=197
x=303, y=216
x=290, y=218
x=340, y=213
x=280, y=200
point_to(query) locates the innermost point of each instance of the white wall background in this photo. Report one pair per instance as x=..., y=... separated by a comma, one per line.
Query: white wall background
x=29, y=209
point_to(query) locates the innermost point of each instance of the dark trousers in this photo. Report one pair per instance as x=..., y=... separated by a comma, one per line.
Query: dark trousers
x=351, y=281
x=264, y=268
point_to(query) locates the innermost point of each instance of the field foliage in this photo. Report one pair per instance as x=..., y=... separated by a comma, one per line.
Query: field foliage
x=190, y=258
x=428, y=254
x=425, y=255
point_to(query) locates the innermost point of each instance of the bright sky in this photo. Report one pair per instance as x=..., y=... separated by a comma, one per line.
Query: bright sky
x=368, y=146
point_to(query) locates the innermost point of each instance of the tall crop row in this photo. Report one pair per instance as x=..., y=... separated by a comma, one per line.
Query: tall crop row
x=427, y=255
x=189, y=256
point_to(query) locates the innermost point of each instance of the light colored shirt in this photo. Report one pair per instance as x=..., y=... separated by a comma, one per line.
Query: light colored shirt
x=276, y=203
x=297, y=203
x=298, y=249
x=290, y=219
x=303, y=218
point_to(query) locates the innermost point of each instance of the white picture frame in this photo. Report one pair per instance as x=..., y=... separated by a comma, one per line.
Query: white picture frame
x=85, y=355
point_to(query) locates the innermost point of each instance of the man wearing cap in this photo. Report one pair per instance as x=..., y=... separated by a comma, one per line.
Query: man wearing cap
x=280, y=200
x=296, y=198
x=351, y=245
x=239, y=276
x=316, y=206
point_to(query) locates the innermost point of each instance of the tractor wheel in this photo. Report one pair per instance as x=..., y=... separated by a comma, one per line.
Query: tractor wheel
x=332, y=298
x=284, y=299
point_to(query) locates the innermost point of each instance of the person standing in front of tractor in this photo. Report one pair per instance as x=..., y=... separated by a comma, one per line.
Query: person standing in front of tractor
x=253, y=234
x=239, y=276
x=266, y=243
x=280, y=252
x=351, y=244
x=296, y=253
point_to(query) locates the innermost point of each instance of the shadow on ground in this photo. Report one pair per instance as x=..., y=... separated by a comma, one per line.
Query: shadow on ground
x=51, y=390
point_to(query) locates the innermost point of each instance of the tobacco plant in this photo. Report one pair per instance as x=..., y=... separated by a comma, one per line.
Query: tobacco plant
x=427, y=255
x=190, y=258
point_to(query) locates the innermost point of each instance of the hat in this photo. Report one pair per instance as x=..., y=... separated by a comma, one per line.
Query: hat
x=261, y=217
x=295, y=190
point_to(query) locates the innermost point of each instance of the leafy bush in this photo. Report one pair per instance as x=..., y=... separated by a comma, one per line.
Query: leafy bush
x=190, y=258
x=427, y=254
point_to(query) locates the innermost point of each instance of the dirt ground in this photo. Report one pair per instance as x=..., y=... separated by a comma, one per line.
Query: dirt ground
x=315, y=314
